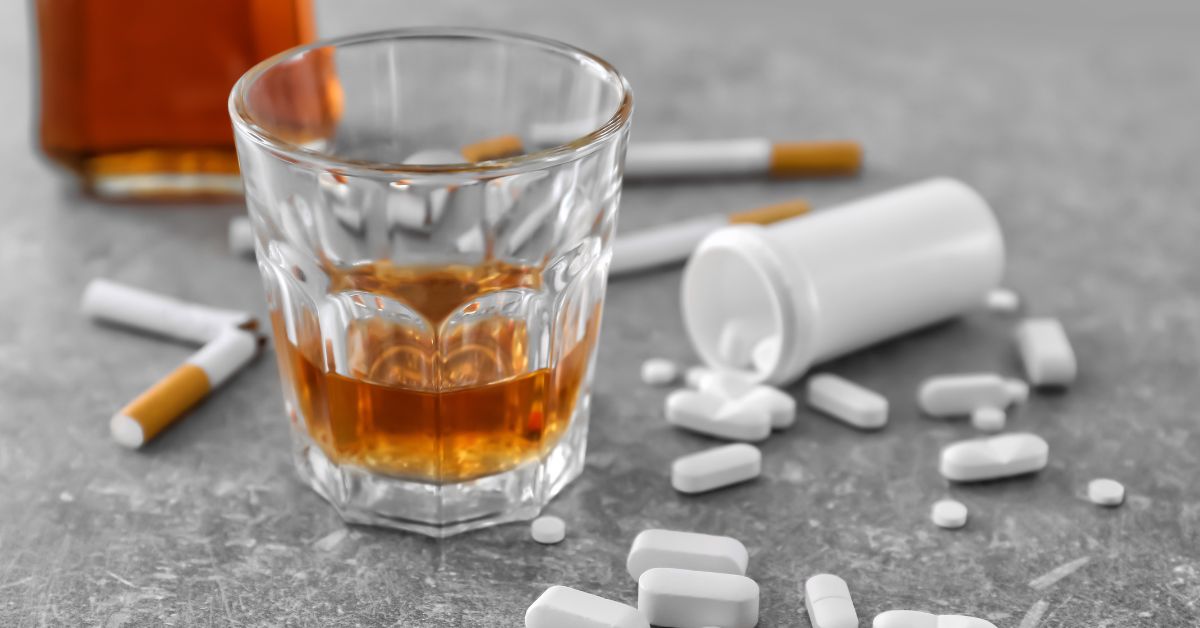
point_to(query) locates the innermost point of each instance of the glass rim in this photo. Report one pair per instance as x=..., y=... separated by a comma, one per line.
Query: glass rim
x=525, y=162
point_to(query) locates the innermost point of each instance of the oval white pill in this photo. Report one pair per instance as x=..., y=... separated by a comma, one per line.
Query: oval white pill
x=1045, y=352
x=548, y=530
x=561, y=606
x=1106, y=492
x=682, y=598
x=962, y=621
x=949, y=513
x=686, y=550
x=695, y=376
x=659, y=372
x=1018, y=390
x=959, y=395
x=1002, y=300
x=716, y=468
x=241, y=236
x=765, y=355
x=736, y=343
x=905, y=619
x=989, y=419
x=994, y=457
x=827, y=599
x=728, y=384
x=847, y=401
x=712, y=415
x=779, y=406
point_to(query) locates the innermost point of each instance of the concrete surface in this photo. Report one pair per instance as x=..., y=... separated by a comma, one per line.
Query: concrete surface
x=1076, y=119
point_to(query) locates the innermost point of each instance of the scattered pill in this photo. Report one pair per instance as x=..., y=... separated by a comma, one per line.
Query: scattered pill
x=905, y=619
x=727, y=384
x=962, y=621
x=827, y=598
x=561, y=606
x=659, y=372
x=847, y=401
x=1105, y=492
x=1046, y=352
x=959, y=395
x=766, y=354
x=779, y=406
x=682, y=598
x=716, y=468
x=712, y=415
x=949, y=513
x=158, y=314
x=1018, y=390
x=168, y=399
x=686, y=550
x=548, y=530
x=736, y=343
x=241, y=236
x=989, y=419
x=994, y=457
x=1002, y=300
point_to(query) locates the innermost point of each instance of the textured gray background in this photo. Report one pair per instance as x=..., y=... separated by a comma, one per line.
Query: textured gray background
x=1078, y=120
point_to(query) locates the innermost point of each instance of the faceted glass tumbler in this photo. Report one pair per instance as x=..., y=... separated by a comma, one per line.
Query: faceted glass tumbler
x=433, y=211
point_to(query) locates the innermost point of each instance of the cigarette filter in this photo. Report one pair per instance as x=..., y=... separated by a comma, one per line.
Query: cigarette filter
x=170, y=397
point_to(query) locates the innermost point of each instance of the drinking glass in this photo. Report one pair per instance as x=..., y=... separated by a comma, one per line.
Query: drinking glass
x=433, y=211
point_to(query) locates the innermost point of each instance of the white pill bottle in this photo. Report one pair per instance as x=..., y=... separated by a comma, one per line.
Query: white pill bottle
x=843, y=278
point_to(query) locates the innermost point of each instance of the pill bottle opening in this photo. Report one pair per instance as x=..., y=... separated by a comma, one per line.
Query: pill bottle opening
x=733, y=310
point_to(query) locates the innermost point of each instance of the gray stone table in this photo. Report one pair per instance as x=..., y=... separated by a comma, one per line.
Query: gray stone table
x=1077, y=120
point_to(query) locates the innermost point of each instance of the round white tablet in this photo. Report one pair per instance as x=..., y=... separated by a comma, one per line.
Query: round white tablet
x=1105, y=492
x=548, y=530
x=949, y=513
x=988, y=419
x=659, y=372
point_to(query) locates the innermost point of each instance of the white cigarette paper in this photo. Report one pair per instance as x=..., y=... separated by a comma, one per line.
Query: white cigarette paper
x=158, y=314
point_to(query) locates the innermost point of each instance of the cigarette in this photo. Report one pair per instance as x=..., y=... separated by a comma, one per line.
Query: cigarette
x=741, y=157
x=158, y=314
x=493, y=148
x=170, y=397
x=674, y=242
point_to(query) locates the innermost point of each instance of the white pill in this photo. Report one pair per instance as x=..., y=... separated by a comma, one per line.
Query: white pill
x=659, y=372
x=712, y=415
x=779, y=406
x=548, y=530
x=1002, y=300
x=905, y=619
x=686, y=550
x=695, y=376
x=765, y=355
x=241, y=236
x=989, y=419
x=847, y=401
x=1018, y=390
x=948, y=513
x=1105, y=492
x=994, y=457
x=716, y=468
x=736, y=342
x=1045, y=352
x=682, y=598
x=827, y=598
x=962, y=621
x=561, y=606
x=959, y=395
x=728, y=384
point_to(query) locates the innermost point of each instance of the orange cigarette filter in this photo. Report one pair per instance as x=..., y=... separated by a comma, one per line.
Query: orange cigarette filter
x=798, y=159
x=493, y=148
x=172, y=396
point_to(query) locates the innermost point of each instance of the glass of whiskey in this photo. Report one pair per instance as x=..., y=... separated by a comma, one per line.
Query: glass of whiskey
x=433, y=211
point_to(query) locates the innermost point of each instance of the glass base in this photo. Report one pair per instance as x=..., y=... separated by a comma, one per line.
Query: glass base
x=442, y=510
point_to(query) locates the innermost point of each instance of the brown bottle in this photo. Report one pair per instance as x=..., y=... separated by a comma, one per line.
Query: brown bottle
x=133, y=92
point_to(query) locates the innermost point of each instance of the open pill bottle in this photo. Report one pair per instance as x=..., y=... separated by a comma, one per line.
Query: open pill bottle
x=818, y=286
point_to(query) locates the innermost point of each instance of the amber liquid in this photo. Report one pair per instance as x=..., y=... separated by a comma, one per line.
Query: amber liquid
x=133, y=93
x=434, y=407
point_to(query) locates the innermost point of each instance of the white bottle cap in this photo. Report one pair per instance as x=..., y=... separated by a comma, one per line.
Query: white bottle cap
x=844, y=278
